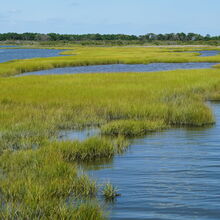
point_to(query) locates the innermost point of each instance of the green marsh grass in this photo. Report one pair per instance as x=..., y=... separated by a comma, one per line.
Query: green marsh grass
x=36, y=184
x=132, y=128
x=110, y=192
x=39, y=106
x=33, y=109
x=84, y=56
x=92, y=149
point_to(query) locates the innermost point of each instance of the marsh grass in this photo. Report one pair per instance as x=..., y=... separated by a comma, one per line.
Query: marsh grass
x=217, y=66
x=84, y=56
x=44, y=178
x=34, y=109
x=132, y=128
x=92, y=149
x=90, y=210
x=110, y=192
x=85, y=187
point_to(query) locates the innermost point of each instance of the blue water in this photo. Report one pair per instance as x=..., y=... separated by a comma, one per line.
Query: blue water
x=15, y=53
x=153, y=67
x=11, y=54
x=171, y=175
x=208, y=53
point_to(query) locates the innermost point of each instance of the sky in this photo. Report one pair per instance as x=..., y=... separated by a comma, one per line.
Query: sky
x=110, y=16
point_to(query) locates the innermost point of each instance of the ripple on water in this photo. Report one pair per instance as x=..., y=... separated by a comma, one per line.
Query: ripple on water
x=173, y=174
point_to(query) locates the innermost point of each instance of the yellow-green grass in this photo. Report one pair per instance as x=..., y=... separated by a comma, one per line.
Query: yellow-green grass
x=132, y=128
x=34, y=108
x=45, y=184
x=110, y=192
x=217, y=66
x=38, y=106
x=82, y=56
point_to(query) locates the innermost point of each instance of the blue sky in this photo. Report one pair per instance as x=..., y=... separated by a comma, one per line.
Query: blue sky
x=110, y=16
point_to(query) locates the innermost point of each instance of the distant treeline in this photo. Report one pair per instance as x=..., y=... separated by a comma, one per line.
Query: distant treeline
x=105, y=37
x=110, y=39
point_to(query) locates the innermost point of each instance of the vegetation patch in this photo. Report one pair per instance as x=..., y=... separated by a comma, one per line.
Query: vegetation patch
x=46, y=180
x=132, y=128
x=89, y=150
x=84, y=56
x=37, y=107
x=110, y=192
x=39, y=177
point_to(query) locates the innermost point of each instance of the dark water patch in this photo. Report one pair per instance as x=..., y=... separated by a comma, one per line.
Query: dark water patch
x=12, y=54
x=97, y=165
x=153, y=67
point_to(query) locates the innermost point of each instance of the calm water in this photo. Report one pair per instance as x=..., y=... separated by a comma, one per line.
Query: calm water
x=11, y=54
x=208, y=53
x=171, y=175
x=78, y=135
x=128, y=67
x=122, y=68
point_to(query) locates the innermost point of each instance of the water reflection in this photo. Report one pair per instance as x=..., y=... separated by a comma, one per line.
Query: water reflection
x=106, y=163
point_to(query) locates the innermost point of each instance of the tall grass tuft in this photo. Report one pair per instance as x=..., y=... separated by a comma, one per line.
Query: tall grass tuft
x=110, y=192
x=131, y=128
x=45, y=179
x=92, y=149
